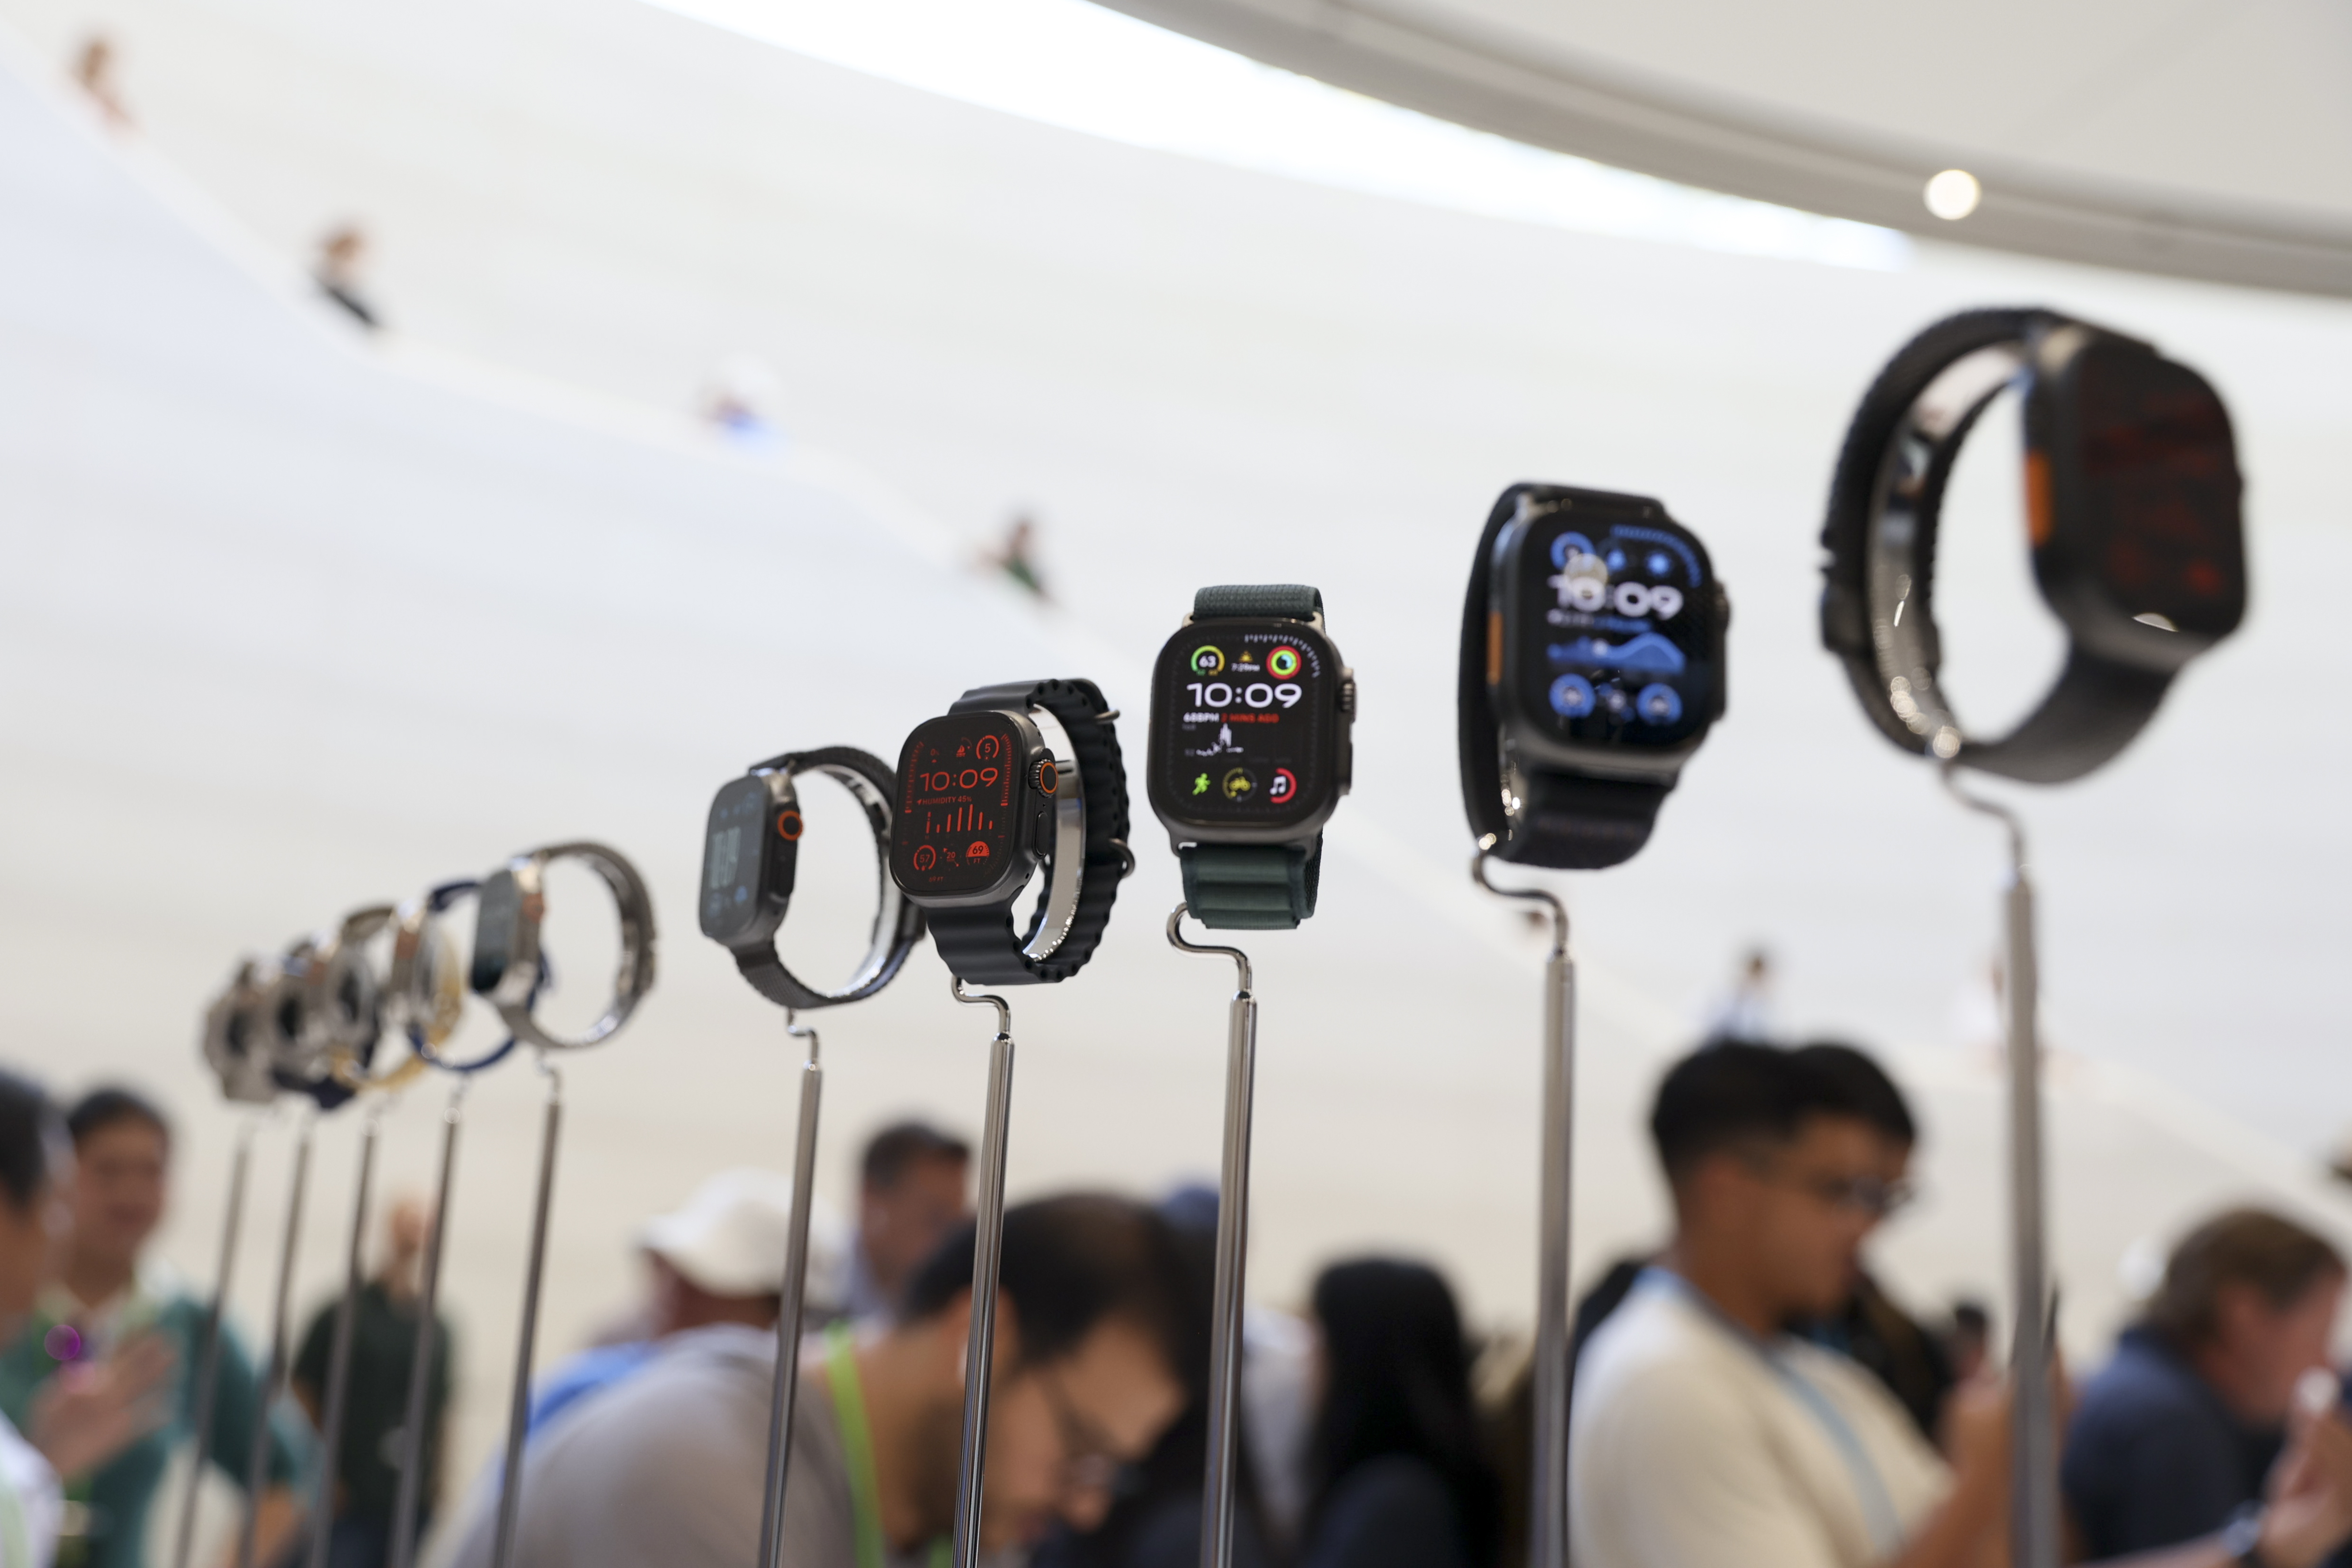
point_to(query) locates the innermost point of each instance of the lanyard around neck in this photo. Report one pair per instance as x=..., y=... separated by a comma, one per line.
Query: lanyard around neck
x=857, y=1451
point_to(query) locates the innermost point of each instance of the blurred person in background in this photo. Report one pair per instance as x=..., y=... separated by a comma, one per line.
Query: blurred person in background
x=342, y=256
x=2175, y=1436
x=1016, y=558
x=107, y=1300
x=94, y=73
x=88, y=1413
x=384, y=1319
x=1870, y=1328
x=1397, y=1461
x=670, y=1468
x=1744, y=1010
x=912, y=1182
x=1969, y=1345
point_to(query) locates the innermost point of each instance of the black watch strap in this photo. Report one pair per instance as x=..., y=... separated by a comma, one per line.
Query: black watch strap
x=2097, y=706
x=759, y=962
x=1567, y=821
x=1252, y=887
x=981, y=946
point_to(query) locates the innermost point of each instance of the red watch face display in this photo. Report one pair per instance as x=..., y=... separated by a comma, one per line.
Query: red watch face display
x=959, y=823
x=2156, y=488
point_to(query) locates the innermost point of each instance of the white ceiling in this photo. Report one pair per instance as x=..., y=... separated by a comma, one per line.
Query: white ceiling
x=2201, y=138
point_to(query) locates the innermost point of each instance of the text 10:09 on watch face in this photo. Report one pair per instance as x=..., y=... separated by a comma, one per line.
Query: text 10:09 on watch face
x=747, y=849
x=1245, y=710
x=1612, y=645
x=959, y=825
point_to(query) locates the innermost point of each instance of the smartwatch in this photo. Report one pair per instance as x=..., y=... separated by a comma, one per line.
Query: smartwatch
x=1251, y=748
x=507, y=965
x=1591, y=668
x=240, y=1031
x=338, y=1007
x=751, y=851
x=2132, y=504
x=1009, y=778
x=425, y=993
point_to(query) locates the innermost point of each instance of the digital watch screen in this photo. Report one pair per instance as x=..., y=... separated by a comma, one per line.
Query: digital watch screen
x=750, y=850
x=1247, y=710
x=963, y=824
x=1614, y=640
x=2155, y=510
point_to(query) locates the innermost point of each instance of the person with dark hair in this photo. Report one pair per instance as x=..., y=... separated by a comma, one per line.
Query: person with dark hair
x=1400, y=1472
x=84, y=1417
x=2175, y=1436
x=1870, y=1327
x=911, y=1194
x=669, y=1467
x=108, y=1309
x=1704, y=1432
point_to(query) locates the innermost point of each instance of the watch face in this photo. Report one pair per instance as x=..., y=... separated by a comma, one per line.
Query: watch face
x=2157, y=491
x=747, y=858
x=1613, y=638
x=497, y=912
x=1244, y=719
x=962, y=822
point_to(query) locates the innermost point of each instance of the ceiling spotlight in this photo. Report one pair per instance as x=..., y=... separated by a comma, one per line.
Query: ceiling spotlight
x=1954, y=195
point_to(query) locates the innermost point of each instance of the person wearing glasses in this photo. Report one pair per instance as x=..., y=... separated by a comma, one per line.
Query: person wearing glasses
x=670, y=1466
x=1704, y=1432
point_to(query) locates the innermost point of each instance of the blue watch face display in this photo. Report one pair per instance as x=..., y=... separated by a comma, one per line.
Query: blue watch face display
x=1244, y=719
x=1613, y=638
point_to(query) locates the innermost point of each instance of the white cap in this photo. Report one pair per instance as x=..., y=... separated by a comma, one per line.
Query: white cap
x=729, y=1237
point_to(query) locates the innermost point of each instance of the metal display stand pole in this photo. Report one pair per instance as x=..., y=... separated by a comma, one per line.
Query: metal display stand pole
x=208, y=1369
x=273, y=1382
x=527, y=1341
x=790, y=1311
x=338, y=1357
x=987, y=1256
x=2034, y=1443
x=1555, y=1368
x=1232, y=1255
x=412, y=1436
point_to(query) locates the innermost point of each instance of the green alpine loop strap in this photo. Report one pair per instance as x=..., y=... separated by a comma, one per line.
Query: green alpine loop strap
x=857, y=1453
x=1293, y=600
x=1254, y=887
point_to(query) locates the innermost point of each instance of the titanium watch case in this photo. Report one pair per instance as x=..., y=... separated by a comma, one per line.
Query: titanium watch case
x=507, y=964
x=241, y=1031
x=746, y=920
x=1044, y=788
x=1337, y=713
x=1522, y=738
x=2130, y=473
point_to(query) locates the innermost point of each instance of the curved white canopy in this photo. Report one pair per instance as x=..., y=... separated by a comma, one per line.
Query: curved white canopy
x=2192, y=138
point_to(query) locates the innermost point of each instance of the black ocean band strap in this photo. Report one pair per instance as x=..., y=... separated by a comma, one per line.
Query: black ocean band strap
x=1888, y=492
x=887, y=952
x=1254, y=887
x=981, y=945
x=1567, y=821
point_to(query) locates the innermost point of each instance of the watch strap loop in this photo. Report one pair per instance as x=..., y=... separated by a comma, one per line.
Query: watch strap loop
x=1251, y=887
x=1293, y=600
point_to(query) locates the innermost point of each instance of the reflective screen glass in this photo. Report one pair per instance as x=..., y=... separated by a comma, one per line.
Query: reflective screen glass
x=738, y=859
x=1245, y=712
x=2159, y=489
x=1613, y=644
x=958, y=826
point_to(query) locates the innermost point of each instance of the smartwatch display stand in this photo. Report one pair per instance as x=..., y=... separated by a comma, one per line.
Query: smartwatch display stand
x=1233, y=1252
x=339, y=1354
x=208, y=1367
x=1547, y=1493
x=987, y=1257
x=2033, y=1413
x=279, y=1366
x=786, y=1397
x=403, y=1551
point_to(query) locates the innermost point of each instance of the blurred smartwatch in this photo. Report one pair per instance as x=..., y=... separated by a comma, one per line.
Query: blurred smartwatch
x=2132, y=494
x=508, y=965
x=1592, y=667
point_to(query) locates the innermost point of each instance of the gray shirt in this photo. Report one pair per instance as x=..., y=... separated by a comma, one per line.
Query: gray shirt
x=670, y=1467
